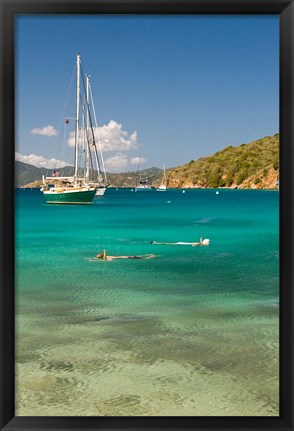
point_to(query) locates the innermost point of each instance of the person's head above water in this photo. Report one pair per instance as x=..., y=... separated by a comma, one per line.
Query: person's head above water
x=101, y=255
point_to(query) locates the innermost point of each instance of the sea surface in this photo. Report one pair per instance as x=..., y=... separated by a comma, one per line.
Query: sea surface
x=193, y=331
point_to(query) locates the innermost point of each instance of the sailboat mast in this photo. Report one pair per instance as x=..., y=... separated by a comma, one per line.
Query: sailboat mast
x=139, y=165
x=88, y=91
x=99, y=142
x=87, y=126
x=77, y=120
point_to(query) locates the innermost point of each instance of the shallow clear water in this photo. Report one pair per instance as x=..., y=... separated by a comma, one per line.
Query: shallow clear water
x=193, y=331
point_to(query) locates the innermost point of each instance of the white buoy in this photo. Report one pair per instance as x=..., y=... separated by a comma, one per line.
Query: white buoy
x=217, y=193
x=206, y=241
x=183, y=191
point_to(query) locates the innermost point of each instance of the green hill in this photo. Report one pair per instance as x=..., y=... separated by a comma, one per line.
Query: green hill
x=27, y=174
x=253, y=165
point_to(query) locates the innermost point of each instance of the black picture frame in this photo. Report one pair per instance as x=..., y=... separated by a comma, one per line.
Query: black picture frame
x=8, y=11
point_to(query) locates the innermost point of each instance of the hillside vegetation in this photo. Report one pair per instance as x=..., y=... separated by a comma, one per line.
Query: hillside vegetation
x=254, y=165
x=30, y=175
x=129, y=179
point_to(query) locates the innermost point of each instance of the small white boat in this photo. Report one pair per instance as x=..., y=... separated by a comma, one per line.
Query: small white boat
x=143, y=186
x=162, y=187
x=100, y=191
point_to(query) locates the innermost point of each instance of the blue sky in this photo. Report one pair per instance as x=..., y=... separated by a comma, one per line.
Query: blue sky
x=187, y=85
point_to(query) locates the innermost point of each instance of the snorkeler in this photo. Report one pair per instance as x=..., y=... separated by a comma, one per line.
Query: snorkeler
x=193, y=244
x=202, y=242
x=104, y=257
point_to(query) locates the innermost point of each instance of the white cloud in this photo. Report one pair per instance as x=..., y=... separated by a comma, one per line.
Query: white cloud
x=45, y=131
x=117, y=162
x=40, y=161
x=112, y=138
x=135, y=160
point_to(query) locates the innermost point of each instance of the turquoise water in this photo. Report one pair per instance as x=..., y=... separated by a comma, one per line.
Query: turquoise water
x=193, y=331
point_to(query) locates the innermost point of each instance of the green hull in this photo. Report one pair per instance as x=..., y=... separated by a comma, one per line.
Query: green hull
x=78, y=197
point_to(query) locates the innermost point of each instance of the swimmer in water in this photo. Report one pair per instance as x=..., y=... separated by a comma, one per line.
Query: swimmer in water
x=202, y=242
x=193, y=244
x=103, y=256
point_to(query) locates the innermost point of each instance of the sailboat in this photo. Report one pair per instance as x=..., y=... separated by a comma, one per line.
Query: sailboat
x=141, y=185
x=162, y=187
x=76, y=189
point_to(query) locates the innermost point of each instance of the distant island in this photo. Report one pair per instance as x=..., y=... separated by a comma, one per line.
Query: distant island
x=248, y=166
